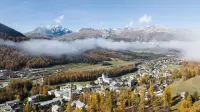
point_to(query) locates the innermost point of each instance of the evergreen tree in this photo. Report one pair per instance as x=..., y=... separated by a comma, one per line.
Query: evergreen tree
x=195, y=96
x=186, y=94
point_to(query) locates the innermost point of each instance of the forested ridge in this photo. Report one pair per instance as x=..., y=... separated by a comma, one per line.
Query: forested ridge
x=14, y=59
x=7, y=33
x=188, y=70
x=88, y=75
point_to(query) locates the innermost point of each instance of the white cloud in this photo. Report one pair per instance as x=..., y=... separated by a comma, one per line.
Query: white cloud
x=130, y=24
x=59, y=19
x=101, y=24
x=145, y=19
x=48, y=26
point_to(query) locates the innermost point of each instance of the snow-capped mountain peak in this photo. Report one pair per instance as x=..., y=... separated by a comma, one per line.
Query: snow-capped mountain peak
x=51, y=32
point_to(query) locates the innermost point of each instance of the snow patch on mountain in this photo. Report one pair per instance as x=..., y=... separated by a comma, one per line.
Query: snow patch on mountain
x=48, y=32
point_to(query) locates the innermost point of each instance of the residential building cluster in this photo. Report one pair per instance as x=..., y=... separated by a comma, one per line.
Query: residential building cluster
x=154, y=68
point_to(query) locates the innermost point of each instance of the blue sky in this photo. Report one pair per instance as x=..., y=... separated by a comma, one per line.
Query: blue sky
x=25, y=15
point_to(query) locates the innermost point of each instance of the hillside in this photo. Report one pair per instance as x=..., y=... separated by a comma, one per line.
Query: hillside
x=7, y=33
x=190, y=85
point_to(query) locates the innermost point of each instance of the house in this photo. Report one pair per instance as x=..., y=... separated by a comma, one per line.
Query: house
x=103, y=79
x=131, y=83
x=51, y=92
x=6, y=108
x=78, y=104
x=68, y=87
x=51, y=102
x=32, y=98
x=166, y=73
x=158, y=93
x=67, y=95
x=2, y=76
x=88, y=86
x=3, y=71
x=113, y=83
x=58, y=94
x=65, y=92
x=99, y=80
x=15, y=105
x=182, y=94
x=114, y=88
x=56, y=108
x=80, y=87
x=3, y=84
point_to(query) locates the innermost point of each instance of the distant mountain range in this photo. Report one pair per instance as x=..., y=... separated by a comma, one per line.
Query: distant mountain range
x=41, y=31
x=145, y=34
x=131, y=34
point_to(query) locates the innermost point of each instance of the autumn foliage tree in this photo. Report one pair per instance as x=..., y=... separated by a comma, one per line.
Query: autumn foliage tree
x=88, y=75
x=68, y=107
x=167, y=98
x=189, y=70
x=142, y=100
x=186, y=104
x=27, y=108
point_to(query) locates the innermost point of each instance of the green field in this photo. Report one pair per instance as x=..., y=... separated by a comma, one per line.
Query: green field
x=79, y=83
x=120, y=62
x=129, y=74
x=84, y=66
x=173, y=67
x=190, y=85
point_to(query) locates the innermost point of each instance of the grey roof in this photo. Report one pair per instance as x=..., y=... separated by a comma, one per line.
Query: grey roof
x=35, y=96
x=13, y=101
x=78, y=103
x=50, y=101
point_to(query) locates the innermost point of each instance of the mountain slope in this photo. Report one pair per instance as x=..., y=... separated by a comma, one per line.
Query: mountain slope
x=41, y=31
x=7, y=33
x=130, y=34
x=81, y=34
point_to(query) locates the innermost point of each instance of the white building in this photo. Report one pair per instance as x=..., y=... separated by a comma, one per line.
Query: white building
x=158, y=93
x=182, y=94
x=6, y=108
x=65, y=92
x=56, y=108
x=78, y=104
x=32, y=98
x=103, y=79
x=50, y=102
x=52, y=92
x=58, y=94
